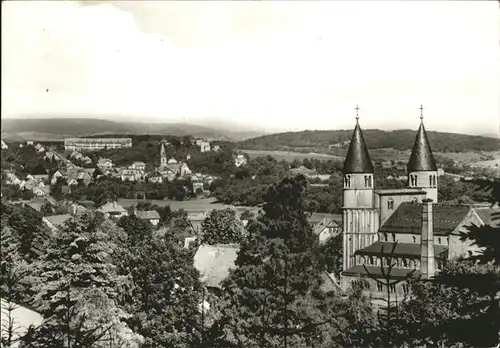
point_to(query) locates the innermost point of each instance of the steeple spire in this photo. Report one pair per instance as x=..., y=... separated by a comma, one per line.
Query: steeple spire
x=163, y=155
x=421, y=158
x=357, y=159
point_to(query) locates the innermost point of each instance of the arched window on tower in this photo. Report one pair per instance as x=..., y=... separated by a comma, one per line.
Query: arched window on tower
x=347, y=181
x=369, y=181
x=412, y=180
x=431, y=181
x=416, y=182
x=366, y=180
x=390, y=204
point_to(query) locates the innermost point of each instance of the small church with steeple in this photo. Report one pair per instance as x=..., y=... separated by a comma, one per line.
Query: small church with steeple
x=407, y=227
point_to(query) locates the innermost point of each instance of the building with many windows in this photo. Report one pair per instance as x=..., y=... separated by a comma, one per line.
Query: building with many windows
x=94, y=144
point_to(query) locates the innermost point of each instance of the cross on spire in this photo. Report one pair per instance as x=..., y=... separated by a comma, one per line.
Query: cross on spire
x=357, y=111
x=421, y=112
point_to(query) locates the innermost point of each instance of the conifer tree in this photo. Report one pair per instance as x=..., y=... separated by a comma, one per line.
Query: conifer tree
x=77, y=290
x=274, y=297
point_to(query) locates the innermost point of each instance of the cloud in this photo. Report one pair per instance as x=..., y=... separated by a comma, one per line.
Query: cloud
x=291, y=65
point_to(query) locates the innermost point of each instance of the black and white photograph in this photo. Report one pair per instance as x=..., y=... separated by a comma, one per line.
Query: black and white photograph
x=250, y=174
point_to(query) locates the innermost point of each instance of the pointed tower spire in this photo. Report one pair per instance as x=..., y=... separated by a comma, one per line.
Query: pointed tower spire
x=421, y=158
x=357, y=159
x=163, y=155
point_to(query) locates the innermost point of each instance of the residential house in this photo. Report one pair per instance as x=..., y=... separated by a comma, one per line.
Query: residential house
x=38, y=202
x=104, y=164
x=150, y=215
x=22, y=319
x=59, y=174
x=131, y=175
x=41, y=177
x=214, y=262
x=240, y=160
x=209, y=179
x=197, y=186
x=440, y=172
x=75, y=155
x=86, y=160
x=41, y=149
x=325, y=226
x=30, y=143
x=139, y=166
x=54, y=222
x=204, y=146
x=83, y=176
x=216, y=148
x=4, y=145
x=113, y=210
x=155, y=178
x=12, y=179
x=41, y=191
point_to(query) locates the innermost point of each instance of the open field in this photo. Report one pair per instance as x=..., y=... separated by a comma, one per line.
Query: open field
x=289, y=156
x=470, y=156
x=195, y=205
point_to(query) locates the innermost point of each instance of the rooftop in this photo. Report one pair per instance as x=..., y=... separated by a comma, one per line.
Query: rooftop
x=408, y=218
x=111, y=207
x=147, y=215
x=402, y=249
x=376, y=272
x=403, y=191
x=421, y=158
x=58, y=220
x=214, y=262
x=357, y=159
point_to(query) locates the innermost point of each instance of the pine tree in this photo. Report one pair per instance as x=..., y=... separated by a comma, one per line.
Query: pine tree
x=77, y=289
x=167, y=294
x=274, y=297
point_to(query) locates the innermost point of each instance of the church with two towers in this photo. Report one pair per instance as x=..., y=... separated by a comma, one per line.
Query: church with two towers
x=407, y=227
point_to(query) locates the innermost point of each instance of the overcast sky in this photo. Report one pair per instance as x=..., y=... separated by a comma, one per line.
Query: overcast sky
x=268, y=65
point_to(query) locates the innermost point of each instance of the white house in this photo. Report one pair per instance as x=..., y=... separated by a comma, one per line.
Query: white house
x=113, y=210
x=204, y=146
x=4, y=145
x=240, y=160
x=139, y=166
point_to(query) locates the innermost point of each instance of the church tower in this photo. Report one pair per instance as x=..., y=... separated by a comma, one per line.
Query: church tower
x=163, y=156
x=360, y=218
x=422, y=169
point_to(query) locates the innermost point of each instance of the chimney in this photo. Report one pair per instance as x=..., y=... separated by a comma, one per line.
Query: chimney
x=427, y=267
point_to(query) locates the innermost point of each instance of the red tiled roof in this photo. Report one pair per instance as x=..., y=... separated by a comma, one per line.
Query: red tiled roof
x=402, y=249
x=408, y=218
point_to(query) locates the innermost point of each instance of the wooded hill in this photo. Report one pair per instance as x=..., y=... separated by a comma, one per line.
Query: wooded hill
x=59, y=128
x=375, y=139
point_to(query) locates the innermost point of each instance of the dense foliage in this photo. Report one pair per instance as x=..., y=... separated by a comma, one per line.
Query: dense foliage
x=222, y=226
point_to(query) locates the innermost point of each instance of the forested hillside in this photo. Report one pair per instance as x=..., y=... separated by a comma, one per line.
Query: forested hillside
x=375, y=139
